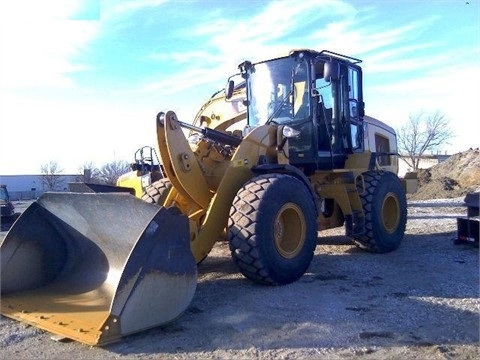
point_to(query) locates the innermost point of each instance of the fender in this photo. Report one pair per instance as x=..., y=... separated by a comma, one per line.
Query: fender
x=291, y=170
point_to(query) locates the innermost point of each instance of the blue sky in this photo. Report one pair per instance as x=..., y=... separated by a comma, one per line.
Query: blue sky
x=82, y=80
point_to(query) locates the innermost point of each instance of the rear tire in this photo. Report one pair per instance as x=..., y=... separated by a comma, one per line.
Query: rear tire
x=157, y=192
x=272, y=229
x=385, y=209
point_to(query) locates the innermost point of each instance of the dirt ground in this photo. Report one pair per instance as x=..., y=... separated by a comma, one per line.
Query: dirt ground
x=418, y=302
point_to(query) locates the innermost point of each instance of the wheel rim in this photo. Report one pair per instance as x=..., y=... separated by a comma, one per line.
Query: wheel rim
x=391, y=212
x=289, y=230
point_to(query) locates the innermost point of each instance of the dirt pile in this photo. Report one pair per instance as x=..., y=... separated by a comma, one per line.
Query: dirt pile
x=455, y=177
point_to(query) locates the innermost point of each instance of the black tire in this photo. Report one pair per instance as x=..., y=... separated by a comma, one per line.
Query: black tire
x=272, y=229
x=385, y=208
x=156, y=193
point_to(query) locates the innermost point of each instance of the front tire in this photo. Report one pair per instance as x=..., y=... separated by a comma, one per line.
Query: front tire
x=385, y=209
x=272, y=229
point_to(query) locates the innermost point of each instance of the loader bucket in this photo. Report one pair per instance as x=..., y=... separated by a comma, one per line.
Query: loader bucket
x=95, y=267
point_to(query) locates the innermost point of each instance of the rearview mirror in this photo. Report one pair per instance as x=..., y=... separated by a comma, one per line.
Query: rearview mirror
x=331, y=70
x=229, y=89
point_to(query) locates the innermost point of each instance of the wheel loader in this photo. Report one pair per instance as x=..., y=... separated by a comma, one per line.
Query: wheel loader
x=8, y=213
x=146, y=169
x=279, y=155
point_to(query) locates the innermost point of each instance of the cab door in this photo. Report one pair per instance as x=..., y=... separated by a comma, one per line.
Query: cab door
x=356, y=109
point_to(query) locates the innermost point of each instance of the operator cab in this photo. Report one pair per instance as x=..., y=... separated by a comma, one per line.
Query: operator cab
x=318, y=94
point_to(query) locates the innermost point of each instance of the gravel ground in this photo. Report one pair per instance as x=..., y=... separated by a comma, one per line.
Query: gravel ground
x=421, y=301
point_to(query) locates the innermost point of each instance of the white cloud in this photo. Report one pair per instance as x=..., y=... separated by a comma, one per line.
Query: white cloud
x=34, y=10
x=188, y=57
x=125, y=7
x=263, y=35
x=39, y=52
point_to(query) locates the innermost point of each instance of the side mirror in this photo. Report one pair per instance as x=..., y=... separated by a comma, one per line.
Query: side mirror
x=331, y=71
x=361, y=110
x=229, y=89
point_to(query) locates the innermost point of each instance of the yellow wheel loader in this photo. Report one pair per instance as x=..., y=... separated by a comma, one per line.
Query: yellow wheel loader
x=283, y=153
x=146, y=169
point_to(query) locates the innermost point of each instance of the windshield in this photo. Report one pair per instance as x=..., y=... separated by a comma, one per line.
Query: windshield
x=278, y=92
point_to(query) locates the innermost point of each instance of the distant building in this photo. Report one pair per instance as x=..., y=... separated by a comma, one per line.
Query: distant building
x=26, y=187
x=426, y=161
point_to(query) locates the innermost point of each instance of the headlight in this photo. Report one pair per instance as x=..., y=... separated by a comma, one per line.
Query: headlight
x=288, y=132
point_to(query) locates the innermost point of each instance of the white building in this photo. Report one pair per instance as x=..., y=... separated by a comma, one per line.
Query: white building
x=426, y=161
x=26, y=187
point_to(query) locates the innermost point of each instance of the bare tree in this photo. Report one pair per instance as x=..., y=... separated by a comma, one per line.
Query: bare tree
x=89, y=174
x=50, y=178
x=109, y=173
x=423, y=132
